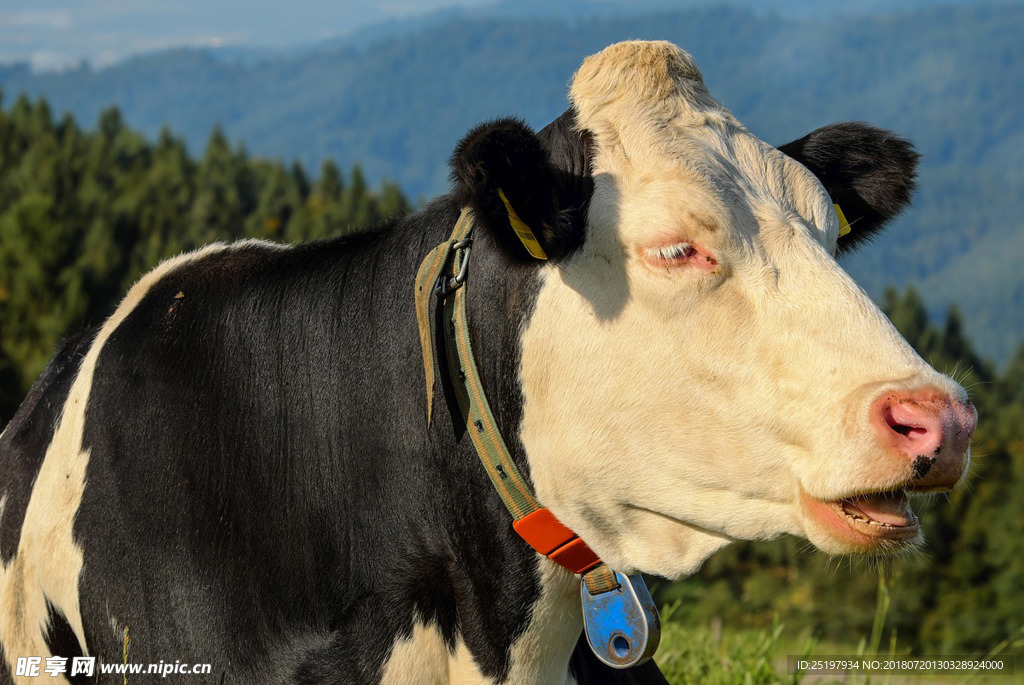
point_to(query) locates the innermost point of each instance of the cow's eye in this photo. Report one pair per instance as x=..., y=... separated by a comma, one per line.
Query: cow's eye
x=683, y=255
x=670, y=253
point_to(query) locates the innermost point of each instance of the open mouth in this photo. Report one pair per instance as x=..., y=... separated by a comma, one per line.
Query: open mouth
x=881, y=514
x=863, y=522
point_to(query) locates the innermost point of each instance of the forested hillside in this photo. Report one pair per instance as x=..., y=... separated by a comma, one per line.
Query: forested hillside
x=947, y=77
x=84, y=213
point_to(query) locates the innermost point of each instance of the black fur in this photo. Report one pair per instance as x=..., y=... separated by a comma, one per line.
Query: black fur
x=62, y=642
x=570, y=153
x=869, y=172
x=545, y=176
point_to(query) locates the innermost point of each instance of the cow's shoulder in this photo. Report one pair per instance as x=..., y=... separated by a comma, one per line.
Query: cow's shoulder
x=25, y=438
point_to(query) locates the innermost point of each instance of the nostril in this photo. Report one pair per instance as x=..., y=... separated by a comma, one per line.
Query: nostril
x=901, y=421
x=907, y=430
x=915, y=428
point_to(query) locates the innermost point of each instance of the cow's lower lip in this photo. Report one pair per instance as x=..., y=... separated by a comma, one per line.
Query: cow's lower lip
x=881, y=514
x=863, y=522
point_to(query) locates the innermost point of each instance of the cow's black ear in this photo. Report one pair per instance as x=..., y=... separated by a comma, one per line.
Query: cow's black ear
x=504, y=171
x=869, y=172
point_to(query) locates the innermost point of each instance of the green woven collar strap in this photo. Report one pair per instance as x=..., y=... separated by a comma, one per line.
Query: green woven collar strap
x=426, y=279
x=443, y=272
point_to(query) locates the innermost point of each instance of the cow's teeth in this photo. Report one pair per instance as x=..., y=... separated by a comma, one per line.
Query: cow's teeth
x=870, y=522
x=863, y=519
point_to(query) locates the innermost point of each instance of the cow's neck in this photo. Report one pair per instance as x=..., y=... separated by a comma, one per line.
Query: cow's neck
x=488, y=609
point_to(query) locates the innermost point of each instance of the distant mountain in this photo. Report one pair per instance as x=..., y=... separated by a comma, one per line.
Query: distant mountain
x=55, y=35
x=948, y=77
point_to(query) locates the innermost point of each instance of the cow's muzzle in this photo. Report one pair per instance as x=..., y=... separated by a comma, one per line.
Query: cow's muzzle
x=925, y=437
x=928, y=432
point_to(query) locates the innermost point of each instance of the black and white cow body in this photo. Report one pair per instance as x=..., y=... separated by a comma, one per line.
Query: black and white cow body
x=237, y=465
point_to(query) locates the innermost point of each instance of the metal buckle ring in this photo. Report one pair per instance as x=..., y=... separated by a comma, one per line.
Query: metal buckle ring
x=446, y=284
x=460, y=278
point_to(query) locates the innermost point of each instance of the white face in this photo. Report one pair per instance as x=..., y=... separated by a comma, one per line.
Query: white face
x=702, y=370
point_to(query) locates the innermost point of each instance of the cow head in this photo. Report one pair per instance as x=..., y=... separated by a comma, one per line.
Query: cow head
x=698, y=368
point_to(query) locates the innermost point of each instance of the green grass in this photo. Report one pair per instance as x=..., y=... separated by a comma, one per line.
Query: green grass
x=703, y=654
x=709, y=655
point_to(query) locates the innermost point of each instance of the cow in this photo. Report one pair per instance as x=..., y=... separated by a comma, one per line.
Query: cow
x=236, y=469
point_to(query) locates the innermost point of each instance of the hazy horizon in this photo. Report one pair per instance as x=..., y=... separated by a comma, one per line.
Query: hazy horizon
x=54, y=35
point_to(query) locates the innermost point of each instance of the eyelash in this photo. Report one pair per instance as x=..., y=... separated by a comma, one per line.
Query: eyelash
x=672, y=253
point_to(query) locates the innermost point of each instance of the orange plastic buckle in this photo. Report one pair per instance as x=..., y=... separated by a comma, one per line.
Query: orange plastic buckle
x=550, y=537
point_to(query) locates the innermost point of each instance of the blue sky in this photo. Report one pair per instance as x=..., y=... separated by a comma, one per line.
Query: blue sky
x=55, y=33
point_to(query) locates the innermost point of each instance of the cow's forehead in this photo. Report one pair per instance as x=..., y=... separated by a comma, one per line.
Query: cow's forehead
x=657, y=129
x=629, y=92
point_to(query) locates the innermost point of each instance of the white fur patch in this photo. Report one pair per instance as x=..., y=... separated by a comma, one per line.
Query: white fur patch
x=670, y=411
x=48, y=561
x=423, y=658
x=420, y=658
x=540, y=656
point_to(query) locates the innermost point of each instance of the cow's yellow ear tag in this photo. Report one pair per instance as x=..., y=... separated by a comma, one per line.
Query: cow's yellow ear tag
x=844, y=225
x=526, y=236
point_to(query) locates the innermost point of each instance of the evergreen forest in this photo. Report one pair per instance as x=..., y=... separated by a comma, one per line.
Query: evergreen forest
x=84, y=213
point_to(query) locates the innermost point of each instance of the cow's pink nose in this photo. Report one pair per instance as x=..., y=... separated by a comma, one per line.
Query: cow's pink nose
x=932, y=431
x=919, y=427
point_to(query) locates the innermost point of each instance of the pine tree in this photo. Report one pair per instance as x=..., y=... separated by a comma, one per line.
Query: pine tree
x=219, y=208
x=84, y=214
x=325, y=203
